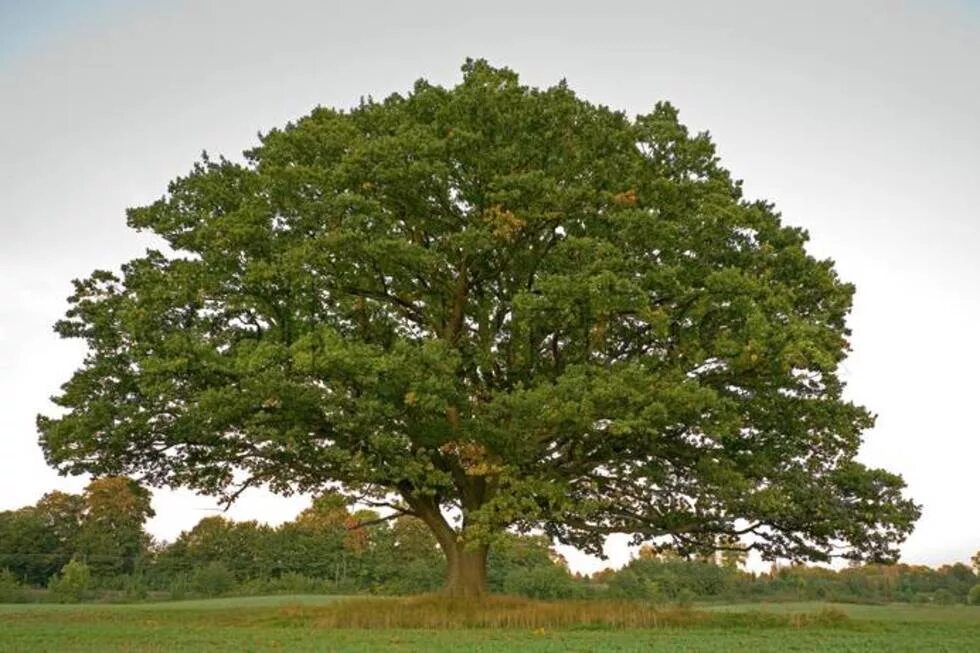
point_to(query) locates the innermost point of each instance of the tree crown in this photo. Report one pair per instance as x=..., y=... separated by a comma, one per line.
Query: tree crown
x=501, y=301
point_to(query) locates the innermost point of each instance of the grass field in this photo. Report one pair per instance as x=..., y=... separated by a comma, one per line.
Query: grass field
x=296, y=623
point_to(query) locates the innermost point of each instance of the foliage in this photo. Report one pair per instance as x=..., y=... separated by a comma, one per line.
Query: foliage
x=179, y=586
x=213, y=579
x=324, y=550
x=673, y=576
x=628, y=584
x=544, y=582
x=134, y=587
x=491, y=298
x=514, y=556
x=11, y=589
x=289, y=583
x=973, y=598
x=111, y=535
x=943, y=597
x=72, y=584
x=245, y=549
x=29, y=547
x=104, y=526
x=685, y=597
x=63, y=516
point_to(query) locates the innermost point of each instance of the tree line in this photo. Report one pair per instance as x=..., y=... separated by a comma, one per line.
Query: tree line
x=70, y=547
x=326, y=548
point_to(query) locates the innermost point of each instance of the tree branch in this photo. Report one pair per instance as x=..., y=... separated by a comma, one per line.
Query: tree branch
x=381, y=520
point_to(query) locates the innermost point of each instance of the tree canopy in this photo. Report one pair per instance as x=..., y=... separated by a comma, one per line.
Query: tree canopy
x=103, y=526
x=489, y=306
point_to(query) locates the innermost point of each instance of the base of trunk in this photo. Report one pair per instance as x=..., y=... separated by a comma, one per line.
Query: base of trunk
x=467, y=572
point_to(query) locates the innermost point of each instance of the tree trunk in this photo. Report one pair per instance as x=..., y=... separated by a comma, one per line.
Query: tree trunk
x=466, y=571
x=466, y=565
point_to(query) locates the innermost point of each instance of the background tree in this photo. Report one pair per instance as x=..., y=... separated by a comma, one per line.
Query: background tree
x=242, y=548
x=514, y=556
x=29, y=548
x=485, y=306
x=974, y=596
x=406, y=559
x=316, y=542
x=103, y=526
x=64, y=516
x=12, y=589
x=111, y=537
x=73, y=583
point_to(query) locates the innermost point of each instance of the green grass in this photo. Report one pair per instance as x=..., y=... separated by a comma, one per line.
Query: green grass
x=891, y=613
x=237, y=602
x=297, y=623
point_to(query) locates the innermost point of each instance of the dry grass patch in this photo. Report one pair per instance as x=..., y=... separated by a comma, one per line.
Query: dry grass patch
x=438, y=612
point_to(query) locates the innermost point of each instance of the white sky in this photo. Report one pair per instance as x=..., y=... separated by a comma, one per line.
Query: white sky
x=860, y=120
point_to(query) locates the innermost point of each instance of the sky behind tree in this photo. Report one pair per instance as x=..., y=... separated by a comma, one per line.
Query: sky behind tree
x=858, y=120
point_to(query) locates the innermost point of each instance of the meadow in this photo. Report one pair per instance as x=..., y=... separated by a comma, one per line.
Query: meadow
x=317, y=623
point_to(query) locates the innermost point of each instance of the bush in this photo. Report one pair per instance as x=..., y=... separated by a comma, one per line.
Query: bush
x=179, y=587
x=72, y=584
x=11, y=590
x=973, y=598
x=412, y=577
x=295, y=583
x=627, y=584
x=213, y=579
x=943, y=597
x=652, y=578
x=552, y=582
x=685, y=598
x=288, y=583
x=134, y=587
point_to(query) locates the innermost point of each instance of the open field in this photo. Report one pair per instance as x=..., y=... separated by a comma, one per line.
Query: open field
x=297, y=623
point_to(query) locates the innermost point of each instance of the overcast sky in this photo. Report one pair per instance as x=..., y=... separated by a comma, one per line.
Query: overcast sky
x=860, y=120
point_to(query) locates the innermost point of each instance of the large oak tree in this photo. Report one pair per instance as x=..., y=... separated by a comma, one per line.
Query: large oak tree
x=489, y=306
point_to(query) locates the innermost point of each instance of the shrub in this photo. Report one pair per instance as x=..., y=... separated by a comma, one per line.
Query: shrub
x=973, y=598
x=288, y=583
x=72, y=584
x=213, y=579
x=296, y=583
x=179, y=587
x=627, y=584
x=258, y=587
x=413, y=577
x=685, y=597
x=134, y=587
x=552, y=582
x=943, y=597
x=11, y=589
